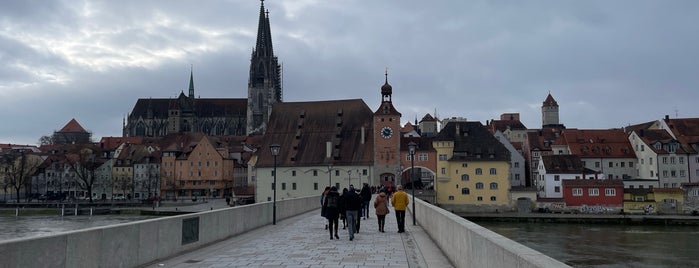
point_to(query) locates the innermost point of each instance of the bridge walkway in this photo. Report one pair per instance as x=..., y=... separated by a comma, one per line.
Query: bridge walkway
x=302, y=241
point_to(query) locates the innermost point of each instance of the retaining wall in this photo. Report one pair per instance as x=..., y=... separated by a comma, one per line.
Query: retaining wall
x=143, y=242
x=467, y=244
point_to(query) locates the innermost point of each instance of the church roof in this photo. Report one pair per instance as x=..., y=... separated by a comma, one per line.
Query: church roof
x=214, y=107
x=73, y=126
x=303, y=128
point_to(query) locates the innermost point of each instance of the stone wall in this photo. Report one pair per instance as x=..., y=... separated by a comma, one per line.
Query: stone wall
x=139, y=243
x=467, y=244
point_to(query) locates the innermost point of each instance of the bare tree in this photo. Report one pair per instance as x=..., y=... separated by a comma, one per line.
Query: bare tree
x=45, y=140
x=18, y=169
x=84, y=160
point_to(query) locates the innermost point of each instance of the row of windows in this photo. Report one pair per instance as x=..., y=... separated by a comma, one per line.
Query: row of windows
x=420, y=157
x=611, y=164
x=594, y=192
x=467, y=191
x=673, y=173
x=191, y=163
x=480, y=198
x=672, y=160
x=293, y=186
x=315, y=173
x=479, y=171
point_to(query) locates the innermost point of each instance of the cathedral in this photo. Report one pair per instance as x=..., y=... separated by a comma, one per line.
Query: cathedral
x=216, y=116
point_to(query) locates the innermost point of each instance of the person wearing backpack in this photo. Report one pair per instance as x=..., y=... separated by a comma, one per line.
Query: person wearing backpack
x=332, y=210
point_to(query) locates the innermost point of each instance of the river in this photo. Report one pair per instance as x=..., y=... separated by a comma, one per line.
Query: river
x=602, y=245
x=12, y=227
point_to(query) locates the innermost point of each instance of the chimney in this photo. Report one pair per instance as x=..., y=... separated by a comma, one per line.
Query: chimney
x=640, y=133
x=667, y=117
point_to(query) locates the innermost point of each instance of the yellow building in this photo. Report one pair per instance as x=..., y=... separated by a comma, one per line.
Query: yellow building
x=472, y=169
x=653, y=200
x=196, y=166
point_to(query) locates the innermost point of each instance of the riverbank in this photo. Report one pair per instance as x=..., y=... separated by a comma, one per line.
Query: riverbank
x=164, y=208
x=624, y=219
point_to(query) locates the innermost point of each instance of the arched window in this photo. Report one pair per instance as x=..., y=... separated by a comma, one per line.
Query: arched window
x=493, y=185
x=493, y=171
x=479, y=171
x=464, y=177
x=479, y=185
x=465, y=191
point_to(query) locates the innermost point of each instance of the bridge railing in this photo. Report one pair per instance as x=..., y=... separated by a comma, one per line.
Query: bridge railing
x=467, y=244
x=143, y=242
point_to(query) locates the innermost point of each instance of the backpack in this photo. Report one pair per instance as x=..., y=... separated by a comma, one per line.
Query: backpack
x=332, y=201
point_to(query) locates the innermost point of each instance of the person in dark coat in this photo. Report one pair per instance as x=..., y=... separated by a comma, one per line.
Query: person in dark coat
x=322, y=201
x=366, y=199
x=353, y=203
x=332, y=210
x=343, y=211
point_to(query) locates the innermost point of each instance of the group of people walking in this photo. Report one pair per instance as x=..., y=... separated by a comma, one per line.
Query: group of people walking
x=353, y=205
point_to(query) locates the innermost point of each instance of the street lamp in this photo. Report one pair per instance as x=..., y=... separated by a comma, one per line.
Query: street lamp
x=275, y=152
x=330, y=175
x=411, y=149
x=349, y=179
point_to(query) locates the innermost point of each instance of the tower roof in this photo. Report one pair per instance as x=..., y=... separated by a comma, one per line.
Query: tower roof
x=550, y=101
x=386, y=89
x=263, y=47
x=73, y=126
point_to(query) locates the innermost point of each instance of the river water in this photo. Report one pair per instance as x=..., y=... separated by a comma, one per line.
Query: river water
x=12, y=227
x=601, y=245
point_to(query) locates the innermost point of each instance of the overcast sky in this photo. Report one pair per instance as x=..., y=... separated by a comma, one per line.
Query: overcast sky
x=607, y=63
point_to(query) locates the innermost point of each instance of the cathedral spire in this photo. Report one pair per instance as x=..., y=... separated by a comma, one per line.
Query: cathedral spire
x=263, y=47
x=191, y=82
x=264, y=83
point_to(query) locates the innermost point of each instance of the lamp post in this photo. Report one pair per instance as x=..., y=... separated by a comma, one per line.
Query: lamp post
x=411, y=149
x=359, y=175
x=349, y=178
x=330, y=175
x=275, y=152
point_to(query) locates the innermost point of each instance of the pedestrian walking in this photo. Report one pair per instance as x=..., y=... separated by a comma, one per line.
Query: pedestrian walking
x=400, y=202
x=332, y=212
x=366, y=199
x=381, y=208
x=343, y=210
x=353, y=203
x=322, y=201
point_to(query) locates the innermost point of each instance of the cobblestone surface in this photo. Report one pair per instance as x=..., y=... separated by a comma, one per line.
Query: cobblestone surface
x=302, y=241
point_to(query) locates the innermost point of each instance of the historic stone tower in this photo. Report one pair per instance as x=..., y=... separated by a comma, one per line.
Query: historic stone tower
x=264, y=84
x=549, y=112
x=386, y=125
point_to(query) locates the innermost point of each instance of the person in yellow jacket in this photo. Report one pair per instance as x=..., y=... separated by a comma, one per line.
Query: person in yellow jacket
x=400, y=202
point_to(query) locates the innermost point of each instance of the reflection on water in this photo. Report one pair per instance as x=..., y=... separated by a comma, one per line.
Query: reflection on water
x=585, y=245
x=31, y=226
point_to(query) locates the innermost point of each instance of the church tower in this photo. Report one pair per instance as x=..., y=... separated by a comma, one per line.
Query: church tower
x=386, y=125
x=549, y=112
x=264, y=84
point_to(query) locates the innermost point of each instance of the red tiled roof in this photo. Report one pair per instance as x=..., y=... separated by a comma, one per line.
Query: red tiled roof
x=611, y=143
x=73, y=126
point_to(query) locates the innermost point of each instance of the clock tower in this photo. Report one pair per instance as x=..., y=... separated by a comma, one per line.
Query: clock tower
x=386, y=125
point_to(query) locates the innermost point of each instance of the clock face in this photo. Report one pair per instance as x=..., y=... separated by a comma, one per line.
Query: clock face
x=386, y=132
